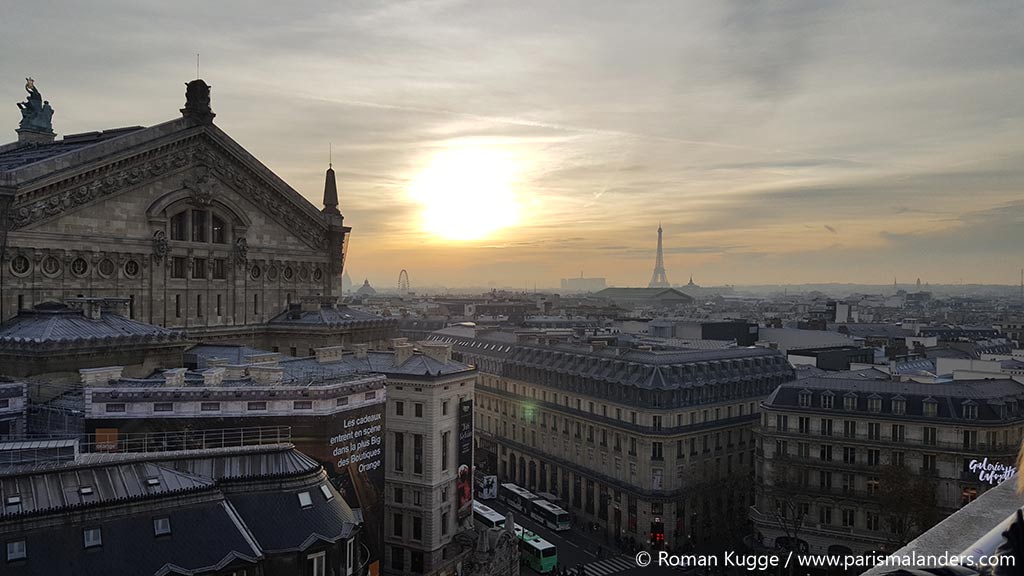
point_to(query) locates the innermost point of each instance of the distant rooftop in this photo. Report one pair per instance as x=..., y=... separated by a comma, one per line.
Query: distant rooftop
x=15, y=156
x=92, y=321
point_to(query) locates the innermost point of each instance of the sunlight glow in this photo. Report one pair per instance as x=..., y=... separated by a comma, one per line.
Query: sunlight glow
x=467, y=194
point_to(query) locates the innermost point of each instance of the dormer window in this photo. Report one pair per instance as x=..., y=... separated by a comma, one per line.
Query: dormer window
x=827, y=399
x=850, y=401
x=931, y=407
x=970, y=411
x=805, y=398
x=875, y=403
x=899, y=405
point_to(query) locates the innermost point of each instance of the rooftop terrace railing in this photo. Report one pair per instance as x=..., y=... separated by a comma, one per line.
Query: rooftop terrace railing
x=145, y=442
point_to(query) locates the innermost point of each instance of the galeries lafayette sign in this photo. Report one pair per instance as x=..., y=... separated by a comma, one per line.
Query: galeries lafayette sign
x=992, y=472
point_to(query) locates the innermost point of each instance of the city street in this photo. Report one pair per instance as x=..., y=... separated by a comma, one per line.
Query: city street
x=575, y=549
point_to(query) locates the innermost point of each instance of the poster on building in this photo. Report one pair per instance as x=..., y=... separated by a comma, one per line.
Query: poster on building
x=464, y=483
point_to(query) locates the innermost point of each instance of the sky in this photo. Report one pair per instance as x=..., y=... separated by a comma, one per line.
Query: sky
x=516, y=143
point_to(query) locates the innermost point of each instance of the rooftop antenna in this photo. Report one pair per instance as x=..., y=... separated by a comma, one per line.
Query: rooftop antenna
x=197, y=64
x=330, y=154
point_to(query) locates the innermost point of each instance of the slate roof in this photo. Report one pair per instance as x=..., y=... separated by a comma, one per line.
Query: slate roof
x=340, y=316
x=642, y=294
x=301, y=369
x=988, y=395
x=60, y=489
x=17, y=156
x=237, y=513
x=203, y=538
x=63, y=326
x=280, y=524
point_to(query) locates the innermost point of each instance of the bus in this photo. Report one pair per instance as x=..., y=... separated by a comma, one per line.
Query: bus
x=487, y=516
x=516, y=497
x=536, y=552
x=549, y=515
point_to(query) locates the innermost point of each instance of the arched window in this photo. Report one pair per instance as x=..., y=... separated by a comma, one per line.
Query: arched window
x=199, y=226
x=178, y=225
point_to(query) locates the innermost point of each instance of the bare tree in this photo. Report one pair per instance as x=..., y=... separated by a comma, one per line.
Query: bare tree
x=908, y=503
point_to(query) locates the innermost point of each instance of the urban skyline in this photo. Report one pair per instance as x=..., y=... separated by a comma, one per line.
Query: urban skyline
x=781, y=144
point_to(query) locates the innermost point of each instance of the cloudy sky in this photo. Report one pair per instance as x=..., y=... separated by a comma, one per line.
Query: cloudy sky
x=524, y=141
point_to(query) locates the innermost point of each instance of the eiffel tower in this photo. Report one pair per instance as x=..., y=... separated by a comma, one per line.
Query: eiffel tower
x=659, y=279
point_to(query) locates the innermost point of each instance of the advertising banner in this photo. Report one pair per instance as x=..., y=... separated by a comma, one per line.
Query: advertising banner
x=464, y=483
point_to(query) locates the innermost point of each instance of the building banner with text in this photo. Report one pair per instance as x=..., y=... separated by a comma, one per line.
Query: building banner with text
x=464, y=483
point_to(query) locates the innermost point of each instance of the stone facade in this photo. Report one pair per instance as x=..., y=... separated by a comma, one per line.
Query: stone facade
x=422, y=506
x=178, y=218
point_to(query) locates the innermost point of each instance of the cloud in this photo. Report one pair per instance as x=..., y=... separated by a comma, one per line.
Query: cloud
x=755, y=132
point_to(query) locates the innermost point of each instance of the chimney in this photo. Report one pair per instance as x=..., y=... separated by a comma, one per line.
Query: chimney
x=213, y=376
x=396, y=342
x=598, y=345
x=329, y=354
x=266, y=374
x=510, y=524
x=440, y=351
x=360, y=350
x=175, y=377
x=234, y=371
x=402, y=352
x=310, y=304
x=99, y=376
x=644, y=348
x=330, y=192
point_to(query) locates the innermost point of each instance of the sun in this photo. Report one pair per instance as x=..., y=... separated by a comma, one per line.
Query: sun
x=467, y=194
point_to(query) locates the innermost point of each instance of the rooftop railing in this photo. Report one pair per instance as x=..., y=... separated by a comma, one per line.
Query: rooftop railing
x=145, y=442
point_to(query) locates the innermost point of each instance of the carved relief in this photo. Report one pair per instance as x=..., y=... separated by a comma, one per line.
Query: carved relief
x=241, y=252
x=216, y=168
x=203, y=188
x=160, y=246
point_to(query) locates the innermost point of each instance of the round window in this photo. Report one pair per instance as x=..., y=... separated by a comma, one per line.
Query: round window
x=106, y=267
x=79, y=266
x=20, y=265
x=304, y=274
x=51, y=266
x=255, y=272
x=272, y=273
x=318, y=275
x=131, y=268
x=287, y=273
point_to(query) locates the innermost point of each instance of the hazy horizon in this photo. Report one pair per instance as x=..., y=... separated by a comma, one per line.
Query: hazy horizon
x=781, y=143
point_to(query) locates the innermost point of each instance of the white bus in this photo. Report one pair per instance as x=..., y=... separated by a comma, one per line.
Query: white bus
x=516, y=497
x=536, y=552
x=549, y=515
x=487, y=516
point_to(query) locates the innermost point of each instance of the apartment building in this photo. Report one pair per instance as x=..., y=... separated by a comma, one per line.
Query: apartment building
x=429, y=464
x=651, y=446
x=861, y=466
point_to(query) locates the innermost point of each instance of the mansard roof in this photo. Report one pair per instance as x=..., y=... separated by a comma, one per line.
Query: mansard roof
x=58, y=325
x=950, y=396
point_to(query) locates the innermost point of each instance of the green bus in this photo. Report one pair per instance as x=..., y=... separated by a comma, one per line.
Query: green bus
x=536, y=552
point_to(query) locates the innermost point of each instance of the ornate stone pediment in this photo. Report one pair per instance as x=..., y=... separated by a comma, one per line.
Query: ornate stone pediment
x=215, y=168
x=202, y=186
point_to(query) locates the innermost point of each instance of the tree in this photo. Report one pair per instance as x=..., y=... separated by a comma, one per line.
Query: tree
x=908, y=502
x=784, y=500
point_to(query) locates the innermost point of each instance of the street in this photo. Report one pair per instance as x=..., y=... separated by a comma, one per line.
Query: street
x=575, y=549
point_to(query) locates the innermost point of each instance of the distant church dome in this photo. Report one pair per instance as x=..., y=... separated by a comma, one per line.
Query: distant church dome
x=366, y=289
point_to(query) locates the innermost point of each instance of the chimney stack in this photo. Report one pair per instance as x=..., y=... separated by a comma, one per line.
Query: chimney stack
x=266, y=374
x=174, y=377
x=440, y=351
x=99, y=376
x=403, y=352
x=213, y=376
x=360, y=350
x=329, y=354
